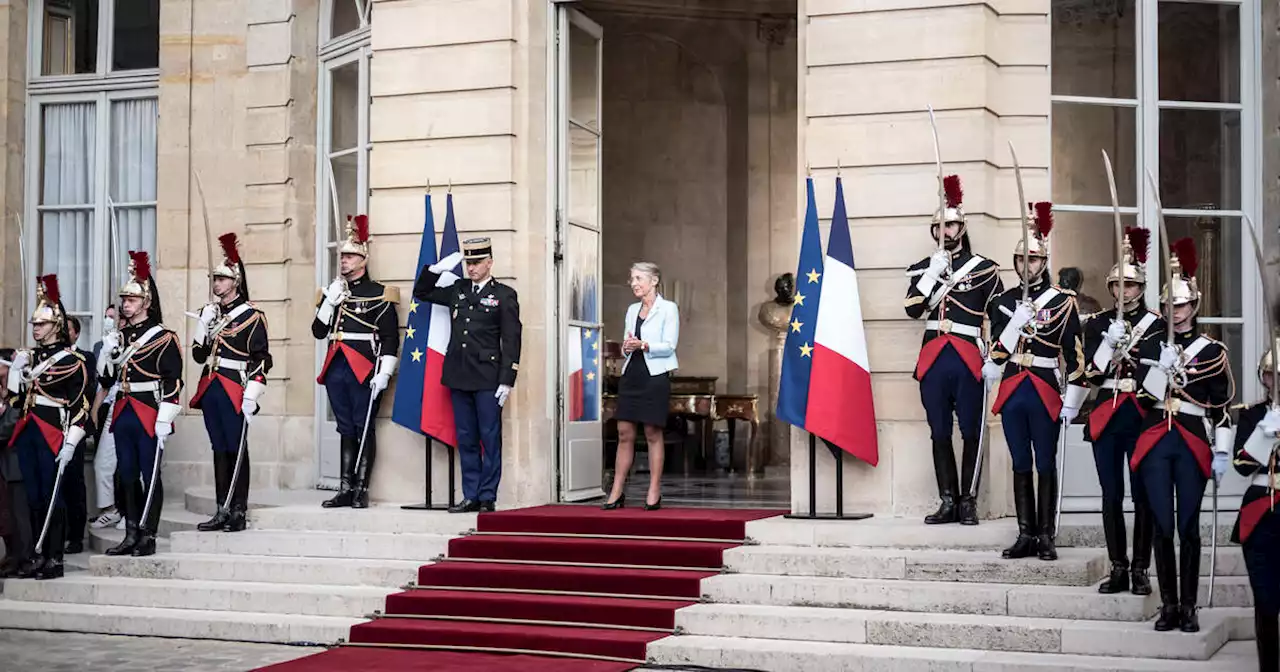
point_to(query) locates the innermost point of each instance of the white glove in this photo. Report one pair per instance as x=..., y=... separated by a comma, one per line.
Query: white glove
x=249, y=404
x=1071, y=402
x=65, y=455
x=379, y=382
x=207, y=315
x=70, y=440
x=1068, y=414
x=21, y=359
x=164, y=418
x=1270, y=423
x=939, y=263
x=445, y=264
x=1023, y=314
x=335, y=293
x=991, y=371
x=1170, y=358
x=1220, y=462
x=1116, y=333
x=501, y=395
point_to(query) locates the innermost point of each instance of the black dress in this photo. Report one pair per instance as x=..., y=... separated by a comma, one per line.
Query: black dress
x=643, y=398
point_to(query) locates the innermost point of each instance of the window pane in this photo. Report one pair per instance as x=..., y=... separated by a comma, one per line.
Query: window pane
x=584, y=84
x=67, y=154
x=346, y=172
x=584, y=176
x=65, y=238
x=1080, y=133
x=134, y=229
x=135, y=37
x=1199, y=52
x=1218, y=243
x=584, y=281
x=1087, y=241
x=133, y=150
x=1093, y=48
x=345, y=16
x=1200, y=159
x=344, y=107
x=70, y=37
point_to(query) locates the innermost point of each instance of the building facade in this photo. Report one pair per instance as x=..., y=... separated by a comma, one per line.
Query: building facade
x=131, y=125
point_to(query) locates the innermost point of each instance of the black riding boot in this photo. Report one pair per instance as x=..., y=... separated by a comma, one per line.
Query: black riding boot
x=1143, y=529
x=968, y=514
x=54, y=544
x=221, y=479
x=1117, y=549
x=1024, y=501
x=1267, y=627
x=363, y=471
x=1189, y=559
x=236, y=519
x=1167, y=576
x=347, y=450
x=1048, y=510
x=33, y=564
x=944, y=469
x=131, y=509
x=149, y=527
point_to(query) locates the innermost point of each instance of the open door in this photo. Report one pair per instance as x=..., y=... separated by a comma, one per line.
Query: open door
x=578, y=212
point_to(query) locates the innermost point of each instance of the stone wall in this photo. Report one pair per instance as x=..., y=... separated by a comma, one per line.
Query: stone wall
x=1271, y=130
x=13, y=92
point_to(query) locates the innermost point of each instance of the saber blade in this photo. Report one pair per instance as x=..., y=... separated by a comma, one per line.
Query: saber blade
x=942, y=192
x=1022, y=210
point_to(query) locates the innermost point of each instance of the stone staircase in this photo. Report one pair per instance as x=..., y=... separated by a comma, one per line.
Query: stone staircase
x=894, y=594
x=299, y=575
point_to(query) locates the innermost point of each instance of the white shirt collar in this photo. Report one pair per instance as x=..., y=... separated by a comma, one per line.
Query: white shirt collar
x=479, y=286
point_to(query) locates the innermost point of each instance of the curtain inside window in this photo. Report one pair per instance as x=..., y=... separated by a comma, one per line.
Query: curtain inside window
x=132, y=172
x=68, y=154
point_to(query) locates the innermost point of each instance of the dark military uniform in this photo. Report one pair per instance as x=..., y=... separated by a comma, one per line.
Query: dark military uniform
x=483, y=355
x=1257, y=529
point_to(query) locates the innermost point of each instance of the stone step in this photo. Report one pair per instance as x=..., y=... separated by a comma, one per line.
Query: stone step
x=260, y=568
x=1085, y=529
x=1075, y=566
x=384, y=518
x=101, y=539
x=1082, y=602
x=236, y=626
x=955, y=631
x=202, y=500
x=384, y=546
x=298, y=599
x=883, y=532
x=776, y=655
x=176, y=519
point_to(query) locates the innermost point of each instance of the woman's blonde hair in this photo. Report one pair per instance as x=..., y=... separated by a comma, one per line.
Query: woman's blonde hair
x=649, y=268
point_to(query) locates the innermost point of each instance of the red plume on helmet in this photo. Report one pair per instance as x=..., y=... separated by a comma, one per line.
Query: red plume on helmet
x=229, y=249
x=954, y=192
x=1044, y=218
x=141, y=265
x=1139, y=241
x=362, y=228
x=1185, y=250
x=51, y=291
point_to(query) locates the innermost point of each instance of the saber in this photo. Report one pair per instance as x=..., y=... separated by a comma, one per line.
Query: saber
x=48, y=514
x=22, y=257
x=1022, y=210
x=151, y=487
x=982, y=440
x=1267, y=301
x=1168, y=256
x=1213, y=543
x=368, y=415
x=1119, y=227
x=235, y=473
x=208, y=234
x=942, y=192
x=1062, y=468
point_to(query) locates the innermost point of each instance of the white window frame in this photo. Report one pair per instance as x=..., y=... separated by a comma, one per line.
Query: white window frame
x=1149, y=105
x=102, y=88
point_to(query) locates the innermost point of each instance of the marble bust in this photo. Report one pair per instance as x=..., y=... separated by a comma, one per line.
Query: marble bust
x=776, y=314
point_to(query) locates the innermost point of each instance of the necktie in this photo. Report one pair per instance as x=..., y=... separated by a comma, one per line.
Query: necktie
x=475, y=289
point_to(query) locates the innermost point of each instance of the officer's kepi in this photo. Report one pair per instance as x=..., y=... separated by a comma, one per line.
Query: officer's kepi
x=476, y=249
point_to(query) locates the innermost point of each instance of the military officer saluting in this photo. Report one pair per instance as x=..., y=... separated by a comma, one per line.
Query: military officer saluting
x=480, y=366
x=358, y=318
x=231, y=342
x=1037, y=323
x=953, y=288
x=1112, y=349
x=145, y=359
x=52, y=387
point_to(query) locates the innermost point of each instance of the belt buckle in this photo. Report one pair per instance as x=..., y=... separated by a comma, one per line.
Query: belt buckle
x=1024, y=359
x=337, y=336
x=1127, y=385
x=945, y=325
x=1174, y=406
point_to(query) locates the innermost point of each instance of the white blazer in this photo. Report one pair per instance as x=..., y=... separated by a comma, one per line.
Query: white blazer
x=661, y=329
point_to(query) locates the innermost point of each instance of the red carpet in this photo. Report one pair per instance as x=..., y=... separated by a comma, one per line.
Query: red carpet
x=480, y=595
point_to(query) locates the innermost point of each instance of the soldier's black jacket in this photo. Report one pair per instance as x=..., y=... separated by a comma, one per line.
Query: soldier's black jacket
x=150, y=375
x=238, y=351
x=955, y=308
x=1057, y=334
x=65, y=382
x=1103, y=373
x=371, y=309
x=1257, y=503
x=484, y=344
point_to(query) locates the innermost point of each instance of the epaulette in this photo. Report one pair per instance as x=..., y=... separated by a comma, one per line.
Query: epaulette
x=390, y=294
x=1064, y=291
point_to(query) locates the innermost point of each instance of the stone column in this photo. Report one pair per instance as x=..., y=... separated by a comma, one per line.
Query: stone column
x=13, y=64
x=774, y=315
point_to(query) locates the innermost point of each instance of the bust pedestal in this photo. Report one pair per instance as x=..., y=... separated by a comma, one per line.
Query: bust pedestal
x=775, y=317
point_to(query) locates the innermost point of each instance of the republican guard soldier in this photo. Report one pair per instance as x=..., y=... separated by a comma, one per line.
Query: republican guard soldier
x=1257, y=527
x=480, y=366
x=1038, y=323
x=231, y=342
x=1112, y=348
x=1187, y=382
x=952, y=289
x=145, y=359
x=52, y=387
x=358, y=318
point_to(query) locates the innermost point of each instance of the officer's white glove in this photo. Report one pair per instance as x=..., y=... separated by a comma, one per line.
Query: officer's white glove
x=249, y=404
x=1270, y=423
x=501, y=395
x=1071, y=403
x=70, y=440
x=64, y=456
x=1170, y=358
x=1220, y=462
x=446, y=264
x=207, y=315
x=1116, y=333
x=164, y=418
x=991, y=372
x=1068, y=414
x=334, y=295
x=939, y=263
x=1023, y=314
x=21, y=359
x=379, y=382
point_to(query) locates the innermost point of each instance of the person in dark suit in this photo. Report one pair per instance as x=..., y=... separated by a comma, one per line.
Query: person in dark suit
x=77, y=503
x=14, y=526
x=480, y=365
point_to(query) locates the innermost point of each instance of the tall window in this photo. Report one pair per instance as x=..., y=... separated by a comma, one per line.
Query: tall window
x=91, y=158
x=1165, y=86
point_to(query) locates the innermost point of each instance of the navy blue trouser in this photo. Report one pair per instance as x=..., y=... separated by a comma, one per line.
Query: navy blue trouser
x=479, y=420
x=348, y=397
x=39, y=469
x=949, y=387
x=1169, y=471
x=222, y=419
x=135, y=449
x=1112, y=451
x=1262, y=558
x=1029, y=430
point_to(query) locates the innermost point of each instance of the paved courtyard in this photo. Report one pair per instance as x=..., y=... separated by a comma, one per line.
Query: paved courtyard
x=73, y=652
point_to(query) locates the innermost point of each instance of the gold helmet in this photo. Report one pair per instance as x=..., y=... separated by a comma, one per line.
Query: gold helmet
x=954, y=211
x=230, y=266
x=1182, y=276
x=1133, y=258
x=1039, y=224
x=357, y=241
x=48, y=303
x=139, y=282
x=1265, y=364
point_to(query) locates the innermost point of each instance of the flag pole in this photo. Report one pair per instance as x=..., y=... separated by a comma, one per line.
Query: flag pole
x=813, y=489
x=427, y=503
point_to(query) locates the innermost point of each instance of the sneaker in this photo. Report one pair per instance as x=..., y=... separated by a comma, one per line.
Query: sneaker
x=107, y=519
x=120, y=525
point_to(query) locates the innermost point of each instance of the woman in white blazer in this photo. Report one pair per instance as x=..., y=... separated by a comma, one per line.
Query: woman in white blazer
x=644, y=392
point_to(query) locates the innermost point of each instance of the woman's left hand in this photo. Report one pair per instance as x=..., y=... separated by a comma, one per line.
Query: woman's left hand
x=631, y=344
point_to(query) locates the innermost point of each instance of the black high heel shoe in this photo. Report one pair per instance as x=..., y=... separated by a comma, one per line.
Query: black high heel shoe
x=620, y=502
x=654, y=506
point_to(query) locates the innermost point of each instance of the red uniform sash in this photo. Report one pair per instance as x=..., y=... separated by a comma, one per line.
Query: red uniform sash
x=52, y=435
x=967, y=350
x=1101, y=414
x=235, y=391
x=146, y=414
x=1251, y=514
x=1148, y=440
x=360, y=365
x=1049, y=396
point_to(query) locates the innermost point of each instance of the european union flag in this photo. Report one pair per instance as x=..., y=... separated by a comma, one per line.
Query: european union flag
x=797, y=355
x=407, y=410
